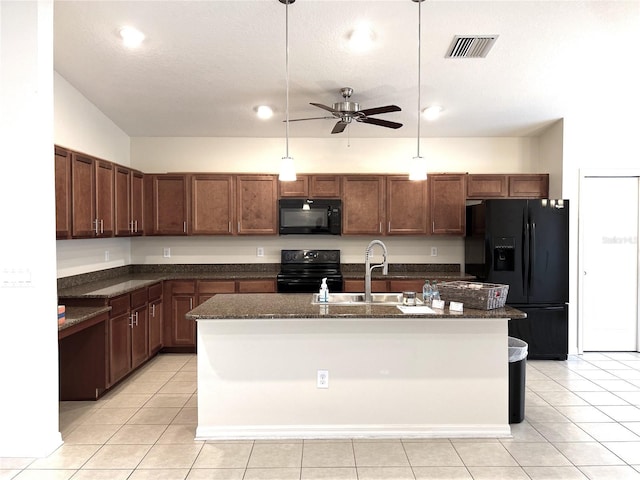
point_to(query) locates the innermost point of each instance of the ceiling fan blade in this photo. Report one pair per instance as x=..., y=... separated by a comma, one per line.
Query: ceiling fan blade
x=379, y=122
x=310, y=118
x=324, y=107
x=376, y=110
x=339, y=127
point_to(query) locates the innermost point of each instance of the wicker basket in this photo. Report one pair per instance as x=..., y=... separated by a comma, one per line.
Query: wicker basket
x=483, y=296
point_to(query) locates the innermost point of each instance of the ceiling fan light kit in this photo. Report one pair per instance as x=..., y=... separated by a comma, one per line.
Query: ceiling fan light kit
x=287, y=167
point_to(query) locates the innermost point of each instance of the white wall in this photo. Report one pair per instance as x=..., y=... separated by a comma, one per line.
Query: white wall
x=80, y=126
x=29, y=353
x=551, y=157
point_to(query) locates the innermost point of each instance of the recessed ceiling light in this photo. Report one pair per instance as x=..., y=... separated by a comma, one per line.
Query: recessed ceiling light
x=361, y=38
x=264, y=112
x=432, y=112
x=131, y=37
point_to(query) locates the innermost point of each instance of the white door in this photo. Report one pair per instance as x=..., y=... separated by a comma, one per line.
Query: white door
x=609, y=226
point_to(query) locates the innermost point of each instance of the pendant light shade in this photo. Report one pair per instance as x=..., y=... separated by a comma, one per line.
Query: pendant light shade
x=418, y=167
x=287, y=167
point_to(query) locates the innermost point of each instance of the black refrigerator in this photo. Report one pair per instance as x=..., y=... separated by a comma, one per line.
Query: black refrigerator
x=525, y=244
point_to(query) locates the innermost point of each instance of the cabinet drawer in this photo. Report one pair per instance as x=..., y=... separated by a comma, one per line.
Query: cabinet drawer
x=119, y=305
x=183, y=286
x=139, y=298
x=352, y=285
x=216, y=286
x=406, y=285
x=256, y=286
x=155, y=291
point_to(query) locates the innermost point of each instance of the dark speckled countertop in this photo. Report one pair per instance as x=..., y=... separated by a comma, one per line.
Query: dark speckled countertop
x=298, y=305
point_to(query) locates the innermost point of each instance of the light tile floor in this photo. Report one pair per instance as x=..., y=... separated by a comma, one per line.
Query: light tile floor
x=582, y=421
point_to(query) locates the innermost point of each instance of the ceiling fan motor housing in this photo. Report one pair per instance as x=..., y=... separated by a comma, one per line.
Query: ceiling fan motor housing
x=346, y=107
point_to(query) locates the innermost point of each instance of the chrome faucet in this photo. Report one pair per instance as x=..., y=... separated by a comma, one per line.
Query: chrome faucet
x=368, y=267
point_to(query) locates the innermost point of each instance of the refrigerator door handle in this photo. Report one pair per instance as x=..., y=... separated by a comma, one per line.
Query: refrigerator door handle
x=525, y=258
x=532, y=252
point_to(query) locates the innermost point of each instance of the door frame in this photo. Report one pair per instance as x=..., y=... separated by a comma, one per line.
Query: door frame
x=599, y=172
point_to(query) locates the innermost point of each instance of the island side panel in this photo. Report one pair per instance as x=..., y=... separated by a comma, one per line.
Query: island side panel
x=387, y=378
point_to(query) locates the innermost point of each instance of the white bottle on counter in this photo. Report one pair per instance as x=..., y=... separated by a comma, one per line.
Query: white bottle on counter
x=323, y=296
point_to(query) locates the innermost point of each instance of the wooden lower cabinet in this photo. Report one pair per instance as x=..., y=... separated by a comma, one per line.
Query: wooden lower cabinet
x=353, y=285
x=408, y=285
x=128, y=334
x=256, y=286
x=155, y=315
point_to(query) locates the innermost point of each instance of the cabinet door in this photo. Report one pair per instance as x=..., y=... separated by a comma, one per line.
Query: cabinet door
x=155, y=326
x=406, y=206
x=123, y=226
x=256, y=286
x=104, y=198
x=257, y=204
x=169, y=204
x=297, y=188
x=139, y=336
x=324, y=186
x=211, y=204
x=447, y=204
x=83, y=207
x=363, y=205
x=529, y=186
x=119, y=347
x=63, y=192
x=183, y=331
x=486, y=186
x=137, y=202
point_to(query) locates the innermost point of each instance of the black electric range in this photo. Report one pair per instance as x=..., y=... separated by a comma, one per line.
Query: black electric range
x=303, y=270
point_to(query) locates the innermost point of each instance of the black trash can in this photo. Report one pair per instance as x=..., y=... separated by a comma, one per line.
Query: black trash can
x=517, y=373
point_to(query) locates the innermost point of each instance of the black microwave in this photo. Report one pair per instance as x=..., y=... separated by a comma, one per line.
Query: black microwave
x=310, y=216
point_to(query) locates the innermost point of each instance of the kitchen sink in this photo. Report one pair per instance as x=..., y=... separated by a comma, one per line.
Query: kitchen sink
x=358, y=299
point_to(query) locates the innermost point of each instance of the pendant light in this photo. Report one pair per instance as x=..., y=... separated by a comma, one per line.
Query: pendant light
x=417, y=169
x=287, y=168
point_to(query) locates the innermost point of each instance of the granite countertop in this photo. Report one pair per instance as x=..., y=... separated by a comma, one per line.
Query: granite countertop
x=431, y=275
x=76, y=315
x=298, y=305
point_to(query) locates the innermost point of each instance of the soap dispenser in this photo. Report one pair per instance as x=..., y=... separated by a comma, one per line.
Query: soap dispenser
x=323, y=296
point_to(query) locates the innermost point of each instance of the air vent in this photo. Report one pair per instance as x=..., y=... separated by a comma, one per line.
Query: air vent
x=466, y=46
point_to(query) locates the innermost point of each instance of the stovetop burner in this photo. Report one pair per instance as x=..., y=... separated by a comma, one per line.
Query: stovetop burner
x=303, y=270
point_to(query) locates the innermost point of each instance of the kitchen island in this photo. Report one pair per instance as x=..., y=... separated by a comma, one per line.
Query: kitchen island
x=262, y=360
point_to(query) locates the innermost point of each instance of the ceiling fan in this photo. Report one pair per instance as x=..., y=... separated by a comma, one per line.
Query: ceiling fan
x=347, y=111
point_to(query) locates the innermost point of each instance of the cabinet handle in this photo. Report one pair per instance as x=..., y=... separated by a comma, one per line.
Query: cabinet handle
x=433, y=226
x=131, y=321
x=136, y=319
x=101, y=226
x=95, y=227
x=153, y=310
x=389, y=226
x=191, y=303
x=238, y=226
x=136, y=226
x=184, y=227
x=229, y=227
x=380, y=227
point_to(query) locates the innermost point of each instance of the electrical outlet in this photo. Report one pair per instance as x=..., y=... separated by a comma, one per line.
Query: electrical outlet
x=434, y=251
x=106, y=255
x=166, y=252
x=323, y=379
x=260, y=252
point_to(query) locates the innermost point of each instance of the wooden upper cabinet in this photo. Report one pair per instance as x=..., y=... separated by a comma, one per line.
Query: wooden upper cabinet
x=212, y=204
x=298, y=188
x=168, y=204
x=406, y=206
x=312, y=186
x=137, y=202
x=105, y=198
x=487, y=186
x=447, y=203
x=123, y=226
x=324, y=186
x=529, y=186
x=257, y=212
x=63, y=192
x=91, y=197
x=481, y=186
x=362, y=204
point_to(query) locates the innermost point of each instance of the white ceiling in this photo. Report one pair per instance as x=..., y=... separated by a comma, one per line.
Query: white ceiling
x=205, y=65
